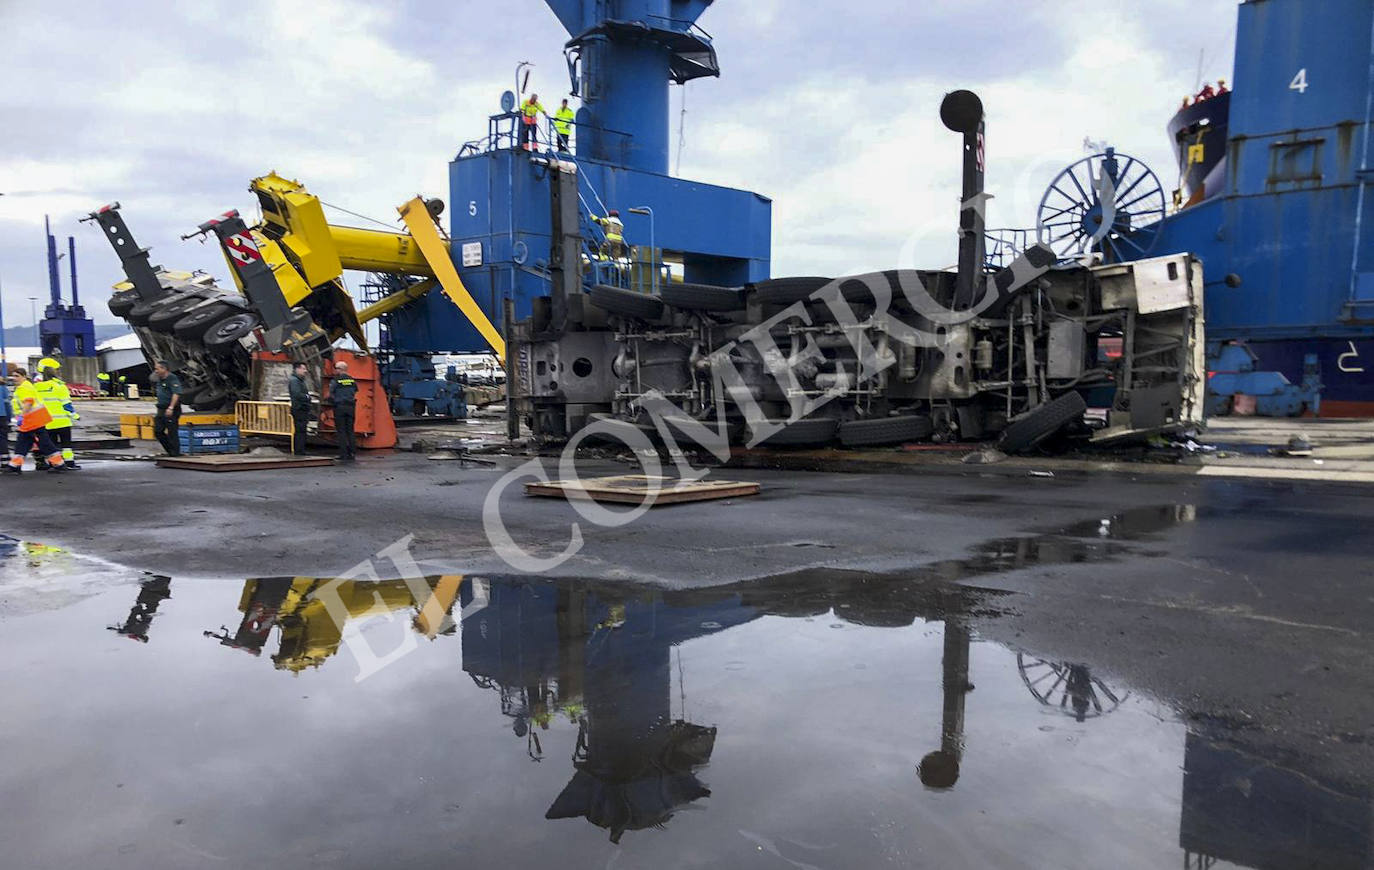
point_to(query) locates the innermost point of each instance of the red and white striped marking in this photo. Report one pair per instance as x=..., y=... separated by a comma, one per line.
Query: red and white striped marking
x=243, y=249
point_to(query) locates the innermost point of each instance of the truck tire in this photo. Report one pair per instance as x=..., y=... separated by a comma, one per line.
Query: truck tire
x=121, y=302
x=703, y=297
x=885, y=430
x=819, y=430
x=786, y=291
x=210, y=399
x=1041, y=423
x=142, y=311
x=626, y=303
x=194, y=325
x=225, y=334
x=164, y=317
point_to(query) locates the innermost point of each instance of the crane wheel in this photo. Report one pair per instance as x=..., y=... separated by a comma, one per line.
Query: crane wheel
x=164, y=317
x=198, y=322
x=225, y=335
x=122, y=302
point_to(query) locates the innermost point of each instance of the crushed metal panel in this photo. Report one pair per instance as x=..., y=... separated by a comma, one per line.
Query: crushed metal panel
x=1162, y=284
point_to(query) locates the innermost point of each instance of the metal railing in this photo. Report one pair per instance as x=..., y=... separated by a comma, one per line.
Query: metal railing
x=1003, y=246
x=504, y=133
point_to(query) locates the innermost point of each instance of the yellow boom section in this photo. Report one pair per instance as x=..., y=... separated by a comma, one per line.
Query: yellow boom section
x=436, y=251
x=317, y=252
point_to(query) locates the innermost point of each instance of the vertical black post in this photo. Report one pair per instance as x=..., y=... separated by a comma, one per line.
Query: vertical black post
x=962, y=112
x=71, y=258
x=512, y=371
x=565, y=249
x=54, y=280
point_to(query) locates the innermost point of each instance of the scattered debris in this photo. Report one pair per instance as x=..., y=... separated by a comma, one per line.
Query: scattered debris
x=1298, y=446
x=986, y=456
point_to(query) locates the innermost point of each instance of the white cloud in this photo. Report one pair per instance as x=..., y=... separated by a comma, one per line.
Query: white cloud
x=829, y=109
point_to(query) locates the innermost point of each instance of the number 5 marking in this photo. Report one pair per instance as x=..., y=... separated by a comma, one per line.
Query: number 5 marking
x=472, y=207
x=1351, y=354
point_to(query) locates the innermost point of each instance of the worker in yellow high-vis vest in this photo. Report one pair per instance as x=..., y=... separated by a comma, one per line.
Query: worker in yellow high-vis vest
x=58, y=400
x=562, y=125
x=529, y=120
x=30, y=419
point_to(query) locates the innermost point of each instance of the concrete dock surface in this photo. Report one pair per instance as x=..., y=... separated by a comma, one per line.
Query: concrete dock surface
x=1040, y=661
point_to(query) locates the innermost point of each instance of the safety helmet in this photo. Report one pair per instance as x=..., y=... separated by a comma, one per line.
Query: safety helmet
x=612, y=213
x=48, y=362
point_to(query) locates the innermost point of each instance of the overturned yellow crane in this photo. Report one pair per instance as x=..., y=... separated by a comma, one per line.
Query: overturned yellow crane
x=308, y=256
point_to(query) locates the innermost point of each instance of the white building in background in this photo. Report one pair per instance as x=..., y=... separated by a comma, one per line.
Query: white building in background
x=19, y=356
x=121, y=353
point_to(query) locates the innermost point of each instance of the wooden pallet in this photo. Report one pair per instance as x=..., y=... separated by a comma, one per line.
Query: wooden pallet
x=240, y=462
x=636, y=489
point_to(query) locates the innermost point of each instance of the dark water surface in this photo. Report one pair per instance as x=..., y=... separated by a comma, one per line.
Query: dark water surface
x=817, y=720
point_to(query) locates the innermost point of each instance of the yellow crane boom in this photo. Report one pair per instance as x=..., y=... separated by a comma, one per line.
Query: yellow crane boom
x=309, y=255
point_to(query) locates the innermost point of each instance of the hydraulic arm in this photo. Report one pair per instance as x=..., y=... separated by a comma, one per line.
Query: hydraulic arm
x=318, y=253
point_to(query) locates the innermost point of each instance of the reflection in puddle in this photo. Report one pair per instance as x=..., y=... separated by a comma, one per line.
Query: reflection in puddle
x=1070, y=689
x=822, y=718
x=151, y=593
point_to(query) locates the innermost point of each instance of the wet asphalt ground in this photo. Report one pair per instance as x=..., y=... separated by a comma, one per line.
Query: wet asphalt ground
x=944, y=670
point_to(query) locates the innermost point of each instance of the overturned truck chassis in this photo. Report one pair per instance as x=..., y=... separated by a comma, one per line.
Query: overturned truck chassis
x=881, y=358
x=874, y=359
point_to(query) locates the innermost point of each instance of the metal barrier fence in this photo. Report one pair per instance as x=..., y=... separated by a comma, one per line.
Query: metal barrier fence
x=265, y=418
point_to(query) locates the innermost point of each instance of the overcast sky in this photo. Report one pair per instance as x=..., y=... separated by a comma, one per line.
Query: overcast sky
x=830, y=108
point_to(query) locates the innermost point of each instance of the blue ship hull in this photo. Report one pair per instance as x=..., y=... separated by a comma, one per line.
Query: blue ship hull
x=1283, y=227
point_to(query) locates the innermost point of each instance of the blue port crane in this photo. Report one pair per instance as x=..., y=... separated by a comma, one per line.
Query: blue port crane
x=623, y=56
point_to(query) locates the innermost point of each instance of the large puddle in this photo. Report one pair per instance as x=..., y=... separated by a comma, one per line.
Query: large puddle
x=816, y=720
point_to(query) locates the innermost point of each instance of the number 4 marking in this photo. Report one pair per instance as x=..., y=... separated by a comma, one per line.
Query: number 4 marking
x=1299, y=82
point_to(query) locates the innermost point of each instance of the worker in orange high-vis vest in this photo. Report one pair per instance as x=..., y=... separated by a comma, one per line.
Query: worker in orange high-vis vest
x=31, y=418
x=529, y=120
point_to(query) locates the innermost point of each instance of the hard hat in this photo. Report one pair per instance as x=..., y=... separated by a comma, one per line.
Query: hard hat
x=48, y=362
x=612, y=213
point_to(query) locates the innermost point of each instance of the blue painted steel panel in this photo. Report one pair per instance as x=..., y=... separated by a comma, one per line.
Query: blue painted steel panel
x=501, y=200
x=1275, y=40
x=1287, y=226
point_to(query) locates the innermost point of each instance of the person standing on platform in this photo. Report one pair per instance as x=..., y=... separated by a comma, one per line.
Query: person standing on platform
x=563, y=121
x=299, y=390
x=343, y=393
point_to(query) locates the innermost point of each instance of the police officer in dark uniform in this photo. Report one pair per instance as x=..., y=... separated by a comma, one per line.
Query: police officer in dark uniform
x=343, y=393
x=299, y=391
x=168, y=417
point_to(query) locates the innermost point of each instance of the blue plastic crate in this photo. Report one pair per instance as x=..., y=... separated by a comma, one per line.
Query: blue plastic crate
x=209, y=439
